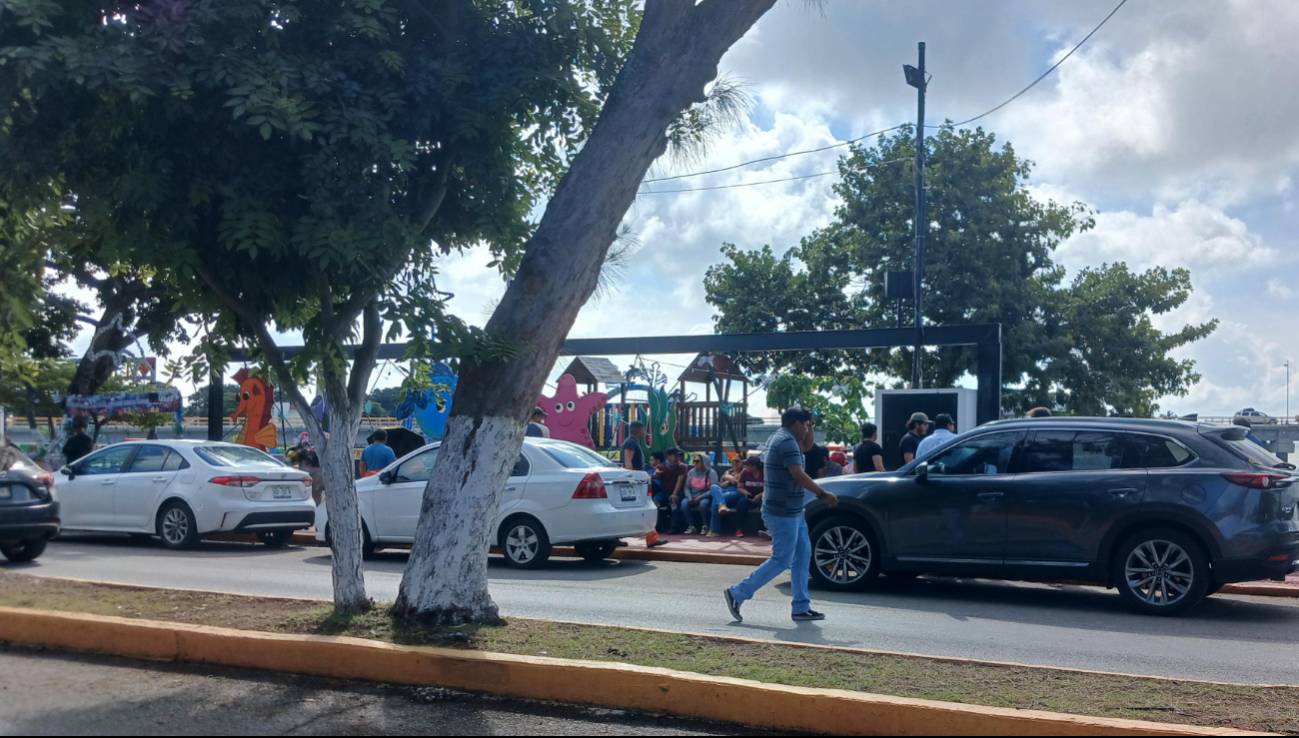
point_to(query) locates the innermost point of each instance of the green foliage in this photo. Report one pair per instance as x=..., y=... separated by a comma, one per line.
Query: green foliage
x=989, y=260
x=196, y=405
x=839, y=405
x=288, y=163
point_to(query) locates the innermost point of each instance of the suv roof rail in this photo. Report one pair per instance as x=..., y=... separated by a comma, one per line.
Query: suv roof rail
x=1225, y=432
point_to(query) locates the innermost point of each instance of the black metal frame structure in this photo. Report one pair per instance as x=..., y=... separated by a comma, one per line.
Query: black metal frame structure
x=985, y=337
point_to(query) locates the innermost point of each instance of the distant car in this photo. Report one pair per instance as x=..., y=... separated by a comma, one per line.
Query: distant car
x=1256, y=418
x=29, y=512
x=1165, y=511
x=558, y=493
x=183, y=490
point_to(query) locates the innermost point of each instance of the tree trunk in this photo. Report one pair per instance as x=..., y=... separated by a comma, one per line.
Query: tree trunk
x=675, y=56
x=345, y=536
x=110, y=337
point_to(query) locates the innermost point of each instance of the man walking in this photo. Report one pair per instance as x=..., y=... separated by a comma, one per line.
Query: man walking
x=784, y=480
x=944, y=431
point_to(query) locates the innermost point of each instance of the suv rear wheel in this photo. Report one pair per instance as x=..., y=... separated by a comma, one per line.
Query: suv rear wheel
x=1161, y=571
x=845, y=554
x=21, y=552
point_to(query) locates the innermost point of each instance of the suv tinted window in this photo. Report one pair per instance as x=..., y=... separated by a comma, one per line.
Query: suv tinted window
x=1155, y=452
x=1061, y=451
x=986, y=454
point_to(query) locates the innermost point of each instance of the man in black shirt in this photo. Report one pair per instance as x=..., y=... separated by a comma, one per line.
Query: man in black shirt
x=917, y=429
x=868, y=456
x=633, y=457
x=79, y=444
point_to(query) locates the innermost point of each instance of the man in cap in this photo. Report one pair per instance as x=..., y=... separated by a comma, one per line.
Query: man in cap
x=917, y=428
x=537, y=424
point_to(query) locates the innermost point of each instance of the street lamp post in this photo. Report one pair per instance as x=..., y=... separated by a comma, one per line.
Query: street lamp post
x=916, y=78
x=1287, y=390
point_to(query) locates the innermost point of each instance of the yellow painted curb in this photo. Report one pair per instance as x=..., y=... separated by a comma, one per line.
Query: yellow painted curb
x=772, y=706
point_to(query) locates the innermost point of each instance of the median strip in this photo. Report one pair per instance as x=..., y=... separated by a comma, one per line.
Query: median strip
x=618, y=685
x=948, y=680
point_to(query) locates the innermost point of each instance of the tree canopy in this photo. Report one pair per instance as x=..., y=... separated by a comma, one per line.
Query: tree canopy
x=1081, y=345
x=301, y=166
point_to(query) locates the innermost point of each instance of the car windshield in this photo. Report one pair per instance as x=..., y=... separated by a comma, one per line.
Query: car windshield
x=237, y=456
x=1256, y=455
x=572, y=456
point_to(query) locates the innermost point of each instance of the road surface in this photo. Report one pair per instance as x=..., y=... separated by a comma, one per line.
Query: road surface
x=68, y=694
x=1231, y=639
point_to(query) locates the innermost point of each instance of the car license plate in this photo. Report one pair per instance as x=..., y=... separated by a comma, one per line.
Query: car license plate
x=628, y=493
x=282, y=493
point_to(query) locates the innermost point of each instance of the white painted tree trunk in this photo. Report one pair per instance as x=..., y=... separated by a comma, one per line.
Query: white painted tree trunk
x=448, y=586
x=675, y=55
x=344, y=518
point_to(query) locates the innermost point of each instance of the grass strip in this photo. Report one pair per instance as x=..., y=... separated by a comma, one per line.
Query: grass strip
x=1273, y=709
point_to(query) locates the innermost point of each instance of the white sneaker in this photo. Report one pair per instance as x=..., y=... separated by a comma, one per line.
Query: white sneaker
x=690, y=531
x=703, y=531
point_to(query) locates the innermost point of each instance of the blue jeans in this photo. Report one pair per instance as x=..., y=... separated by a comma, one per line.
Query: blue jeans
x=732, y=498
x=661, y=495
x=693, y=517
x=791, y=549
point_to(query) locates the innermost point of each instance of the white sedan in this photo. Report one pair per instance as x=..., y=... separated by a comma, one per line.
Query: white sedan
x=182, y=490
x=558, y=493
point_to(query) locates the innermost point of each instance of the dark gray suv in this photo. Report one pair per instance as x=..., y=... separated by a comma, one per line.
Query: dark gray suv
x=1164, y=510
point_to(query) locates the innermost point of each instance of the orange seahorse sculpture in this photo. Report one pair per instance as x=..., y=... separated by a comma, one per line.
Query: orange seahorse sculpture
x=255, y=399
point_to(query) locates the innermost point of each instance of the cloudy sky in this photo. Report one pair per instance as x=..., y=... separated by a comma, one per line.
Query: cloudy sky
x=1176, y=122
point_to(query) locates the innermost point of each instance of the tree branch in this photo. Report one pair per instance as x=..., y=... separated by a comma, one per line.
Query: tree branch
x=329, y=321
x=274, y=356
x=366, y=354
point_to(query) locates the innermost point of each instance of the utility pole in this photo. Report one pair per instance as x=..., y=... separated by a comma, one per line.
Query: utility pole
x=1287, y=390
x=916, y=78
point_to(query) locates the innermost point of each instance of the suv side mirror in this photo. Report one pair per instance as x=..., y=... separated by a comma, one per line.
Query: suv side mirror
x=67, y=470
x=922, y=473
x=385, y=477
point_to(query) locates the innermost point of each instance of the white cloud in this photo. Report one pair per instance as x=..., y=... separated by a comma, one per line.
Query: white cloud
x=1192, y=235
x=1279, y=289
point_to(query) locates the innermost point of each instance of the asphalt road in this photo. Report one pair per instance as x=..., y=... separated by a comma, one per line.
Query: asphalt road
x=67, y=694
x=1231, y=639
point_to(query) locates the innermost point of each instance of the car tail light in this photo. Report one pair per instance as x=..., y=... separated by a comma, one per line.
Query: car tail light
x=235, y=481
x=46, y=479
x=1258, y=480
x=591, y=488
x=1279, y=558
x=306, y=481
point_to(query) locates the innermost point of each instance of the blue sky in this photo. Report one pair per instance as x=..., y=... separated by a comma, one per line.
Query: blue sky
x=1176, y=122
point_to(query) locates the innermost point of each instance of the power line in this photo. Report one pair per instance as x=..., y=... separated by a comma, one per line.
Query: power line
x=985, y=114
x=742, y=184
x=770, y=158
x=1045, y=74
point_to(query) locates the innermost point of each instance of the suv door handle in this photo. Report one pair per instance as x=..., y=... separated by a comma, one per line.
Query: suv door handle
x=159, y=479
x=509, y=489
x=1123, y=491
x=108, y=482
x=991, y=495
